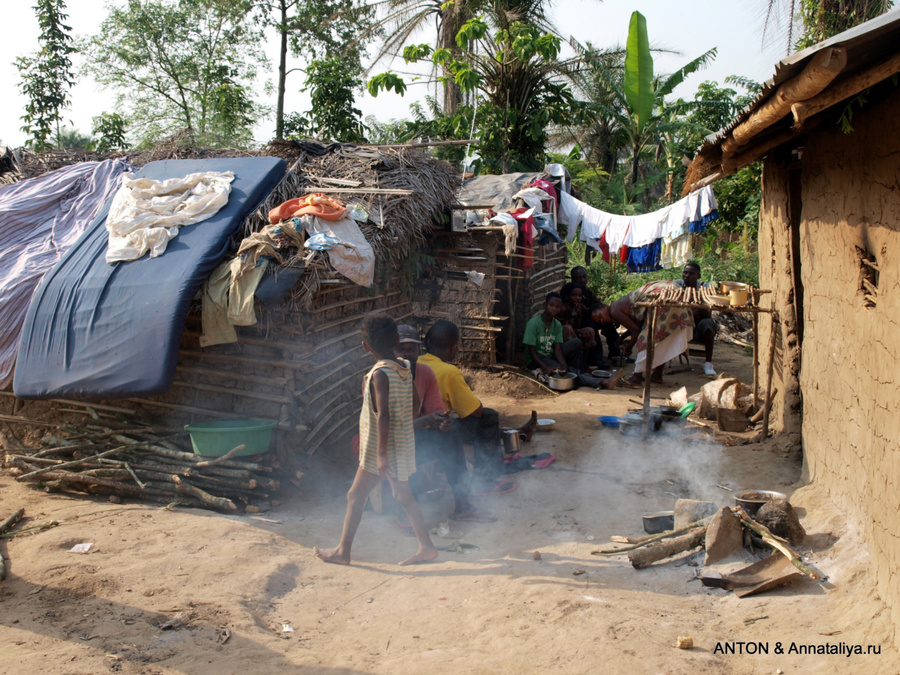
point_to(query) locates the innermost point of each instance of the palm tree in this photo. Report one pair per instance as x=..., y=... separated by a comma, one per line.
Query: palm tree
x=403, y=18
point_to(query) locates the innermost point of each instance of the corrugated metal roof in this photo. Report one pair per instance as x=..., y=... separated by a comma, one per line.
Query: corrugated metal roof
x=866, y=44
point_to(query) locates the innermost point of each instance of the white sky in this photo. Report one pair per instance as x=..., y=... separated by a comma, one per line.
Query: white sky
x=734, y=26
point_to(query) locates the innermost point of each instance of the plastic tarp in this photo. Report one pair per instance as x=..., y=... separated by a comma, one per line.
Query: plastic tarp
x=96, y=330
x=40, y=219
x=495, y=191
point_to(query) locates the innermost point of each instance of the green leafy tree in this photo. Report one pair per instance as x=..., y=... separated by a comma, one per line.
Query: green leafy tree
x=315, y=30
x=188, y=64
x=111, y=129
x=47, y=75
x=515, y=76
x=332, y=116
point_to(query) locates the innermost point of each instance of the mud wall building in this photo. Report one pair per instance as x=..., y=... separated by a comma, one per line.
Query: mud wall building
x=829, y=250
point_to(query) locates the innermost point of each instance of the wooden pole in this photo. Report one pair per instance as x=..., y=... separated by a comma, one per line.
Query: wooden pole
x=771, y=369
x=755, y=354
x=648, y=369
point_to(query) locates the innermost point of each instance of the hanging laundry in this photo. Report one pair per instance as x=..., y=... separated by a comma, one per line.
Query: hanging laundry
x=645, y=258
x=533, y=197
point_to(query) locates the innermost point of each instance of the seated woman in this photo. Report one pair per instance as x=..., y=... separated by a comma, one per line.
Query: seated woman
x=674, y=327
x=576, y=321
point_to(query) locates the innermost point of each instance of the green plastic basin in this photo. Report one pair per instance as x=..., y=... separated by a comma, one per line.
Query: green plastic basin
x=214, y=439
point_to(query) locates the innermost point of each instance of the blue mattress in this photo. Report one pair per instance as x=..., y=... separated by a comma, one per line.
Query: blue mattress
x=95, y=330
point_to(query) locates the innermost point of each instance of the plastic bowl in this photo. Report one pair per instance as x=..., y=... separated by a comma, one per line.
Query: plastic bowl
x=609, y=421
x=214, y=439
x=545, y=424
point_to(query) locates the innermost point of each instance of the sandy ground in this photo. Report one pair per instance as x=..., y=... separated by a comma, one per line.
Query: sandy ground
x=192, y=591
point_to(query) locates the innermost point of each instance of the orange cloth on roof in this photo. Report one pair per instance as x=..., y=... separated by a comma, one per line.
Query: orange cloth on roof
x=315, y=204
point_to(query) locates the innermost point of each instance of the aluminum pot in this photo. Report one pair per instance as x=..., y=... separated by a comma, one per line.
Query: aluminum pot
x=511, y=441
x=564, y=382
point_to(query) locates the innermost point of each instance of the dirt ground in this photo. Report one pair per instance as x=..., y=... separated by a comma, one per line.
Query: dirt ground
x=192, y=591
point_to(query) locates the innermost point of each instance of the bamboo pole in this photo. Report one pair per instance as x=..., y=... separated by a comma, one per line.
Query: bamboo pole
x=851, y=86
x=755, y=300
x=231, y=375
x=229, y=391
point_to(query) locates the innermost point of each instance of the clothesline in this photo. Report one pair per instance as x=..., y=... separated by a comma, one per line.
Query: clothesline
x=653, y=240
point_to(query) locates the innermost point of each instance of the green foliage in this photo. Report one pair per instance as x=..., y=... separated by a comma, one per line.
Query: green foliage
x=638, y=80
x=188, y=64
x=111, y=129
x=332, y=116
x=72, y=139
x=386, y=82
x=508, y=64
x=825, y=18
x=315, y=30
x=47, y=75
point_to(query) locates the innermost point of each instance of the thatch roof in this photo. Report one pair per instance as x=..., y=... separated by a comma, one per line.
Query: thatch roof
x=397, y=225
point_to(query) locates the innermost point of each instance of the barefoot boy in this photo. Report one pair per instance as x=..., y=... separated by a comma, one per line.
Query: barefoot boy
x=386, y=441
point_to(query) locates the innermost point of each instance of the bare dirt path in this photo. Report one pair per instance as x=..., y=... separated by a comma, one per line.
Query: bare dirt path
x=190, y=591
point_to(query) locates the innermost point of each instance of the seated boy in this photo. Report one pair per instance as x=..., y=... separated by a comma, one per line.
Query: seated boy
x=477, y=425
x=544, y=341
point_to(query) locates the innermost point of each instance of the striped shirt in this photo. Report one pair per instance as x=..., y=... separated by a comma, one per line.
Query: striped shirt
x=401, y=450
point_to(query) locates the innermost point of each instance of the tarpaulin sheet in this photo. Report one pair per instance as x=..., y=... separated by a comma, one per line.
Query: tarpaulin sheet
x=95, y=330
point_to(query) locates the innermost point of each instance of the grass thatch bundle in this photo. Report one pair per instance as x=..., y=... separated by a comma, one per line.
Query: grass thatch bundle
x=397, y=225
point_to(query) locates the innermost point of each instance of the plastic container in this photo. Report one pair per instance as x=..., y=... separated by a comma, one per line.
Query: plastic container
x=609, y=421
x=214, y=439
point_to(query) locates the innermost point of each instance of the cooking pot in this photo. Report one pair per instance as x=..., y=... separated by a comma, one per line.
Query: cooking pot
x=561, y=382
x=511, y=441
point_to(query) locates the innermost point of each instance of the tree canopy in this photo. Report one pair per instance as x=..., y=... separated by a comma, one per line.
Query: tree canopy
x=188, y=64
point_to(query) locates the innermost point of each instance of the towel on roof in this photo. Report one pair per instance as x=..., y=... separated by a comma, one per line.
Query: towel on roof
x=317, y=204
x=353, y=256
x=146, y=214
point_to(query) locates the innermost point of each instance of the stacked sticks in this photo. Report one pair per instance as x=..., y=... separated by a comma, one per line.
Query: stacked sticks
x=141, y=463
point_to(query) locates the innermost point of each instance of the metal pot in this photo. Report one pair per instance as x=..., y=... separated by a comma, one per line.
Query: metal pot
x=511, y=441
x=565, y=382
x=654, y=523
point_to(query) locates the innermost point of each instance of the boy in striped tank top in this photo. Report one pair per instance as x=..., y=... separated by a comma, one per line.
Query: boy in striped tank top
x=386, y=441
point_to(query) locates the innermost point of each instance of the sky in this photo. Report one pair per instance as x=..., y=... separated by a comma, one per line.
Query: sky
x=690, y=28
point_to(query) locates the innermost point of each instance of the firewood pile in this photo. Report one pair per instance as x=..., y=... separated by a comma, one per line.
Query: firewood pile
x=143, y=463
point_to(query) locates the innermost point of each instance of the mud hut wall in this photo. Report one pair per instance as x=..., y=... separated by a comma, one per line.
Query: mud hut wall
x=776, y=274
x=851, y=357
x=444, y=292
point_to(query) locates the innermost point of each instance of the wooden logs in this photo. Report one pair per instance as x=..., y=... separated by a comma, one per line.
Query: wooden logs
x=817, y=75
x=648, y=555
